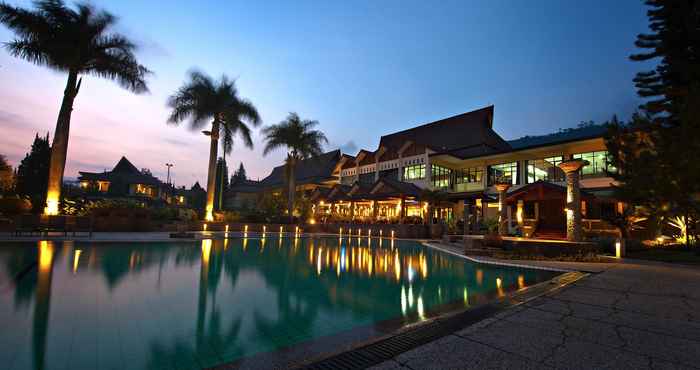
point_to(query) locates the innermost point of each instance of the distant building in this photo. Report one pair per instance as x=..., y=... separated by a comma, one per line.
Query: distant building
x=125, y=181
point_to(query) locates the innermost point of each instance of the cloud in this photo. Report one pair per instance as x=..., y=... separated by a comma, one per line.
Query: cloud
x=14, y=120
x=349, y=148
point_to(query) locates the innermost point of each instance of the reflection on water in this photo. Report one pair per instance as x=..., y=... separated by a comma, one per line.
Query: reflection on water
x=197, y=304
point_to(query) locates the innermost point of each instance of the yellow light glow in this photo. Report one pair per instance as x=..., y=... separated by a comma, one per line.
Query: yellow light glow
x=206, y=250
x=204, y=227
x=618, y=249
x=519, y=215
x=210, y=214
x=322, y=203
x=281, y=229
x=312, y=221
x=392, y=234
x=245, y=228
x=45, y=255
x=51, y=204
x=76, y=258
x=341, y=231
x=499, y=287
x=521, y=281
x=226, y=228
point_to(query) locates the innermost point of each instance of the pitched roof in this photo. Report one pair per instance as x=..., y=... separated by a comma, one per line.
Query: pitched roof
x=123, y=171
x=245, y=186
x=307, y=171
x=397, y=188
x=582, y=132
x=469, y=129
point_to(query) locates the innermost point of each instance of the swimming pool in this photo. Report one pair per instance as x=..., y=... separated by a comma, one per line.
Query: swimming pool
x=172, y=305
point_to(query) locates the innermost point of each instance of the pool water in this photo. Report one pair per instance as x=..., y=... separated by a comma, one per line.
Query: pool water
x=189, y=305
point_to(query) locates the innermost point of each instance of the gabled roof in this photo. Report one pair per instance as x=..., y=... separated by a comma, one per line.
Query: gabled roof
x=464, y=130
x=125, y=172
x=390, y=187
x=245, y=186
x=307, y=171
x=124, y=166
x=582, y=132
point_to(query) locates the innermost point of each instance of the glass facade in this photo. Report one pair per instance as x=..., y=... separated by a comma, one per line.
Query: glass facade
x=598, y=164
x=504, y=172
x=440, y=176
x=545, y=169
x=469, y=175
x=414, y=172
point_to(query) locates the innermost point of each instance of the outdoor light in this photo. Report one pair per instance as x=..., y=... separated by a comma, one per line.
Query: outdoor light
x=392, y=234
x=51, y=204
x=245, y=228
x=264, y=228
x=226, y=228
x=341, y=231
x=281, y=228
x=618, y=249
x=204, y=227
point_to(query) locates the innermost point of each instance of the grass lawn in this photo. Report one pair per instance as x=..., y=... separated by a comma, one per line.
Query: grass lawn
x=676, y=255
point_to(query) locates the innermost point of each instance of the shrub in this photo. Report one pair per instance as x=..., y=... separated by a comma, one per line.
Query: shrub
x=12, y=206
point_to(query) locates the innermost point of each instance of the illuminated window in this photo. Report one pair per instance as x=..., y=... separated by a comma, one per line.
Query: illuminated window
x=545, y=169
x=598, y=164
x=84, y=184
x=469, y=175
x=103, y=186
x=143, y=189
x=414, y=172
x=440, y=176
x=505, y=172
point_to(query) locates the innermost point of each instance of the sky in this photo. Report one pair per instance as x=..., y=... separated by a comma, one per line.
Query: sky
x=361, y=68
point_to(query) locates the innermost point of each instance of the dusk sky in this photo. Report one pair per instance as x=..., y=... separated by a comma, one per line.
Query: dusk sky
x=362, y=69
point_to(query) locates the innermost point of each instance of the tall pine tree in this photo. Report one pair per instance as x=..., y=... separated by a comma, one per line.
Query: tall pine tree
x=658, y=151
x=33, y=173
x=239, y=175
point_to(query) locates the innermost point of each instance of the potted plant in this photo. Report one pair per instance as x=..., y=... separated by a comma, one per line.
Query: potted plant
x=491, y=238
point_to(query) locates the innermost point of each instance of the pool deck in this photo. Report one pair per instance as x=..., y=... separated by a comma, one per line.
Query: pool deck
x=626, y=315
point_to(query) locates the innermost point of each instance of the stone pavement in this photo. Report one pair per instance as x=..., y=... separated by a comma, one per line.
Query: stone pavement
x=632, y=315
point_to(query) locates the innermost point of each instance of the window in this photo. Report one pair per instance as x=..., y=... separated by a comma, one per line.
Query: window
x=545, y=169
x=440, y=176
x=598, y=164
x=505, y=172
x=414, y=172
x=469, y=175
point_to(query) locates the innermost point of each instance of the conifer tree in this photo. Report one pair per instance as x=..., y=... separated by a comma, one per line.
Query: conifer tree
x=657, y=153
x=33, y=173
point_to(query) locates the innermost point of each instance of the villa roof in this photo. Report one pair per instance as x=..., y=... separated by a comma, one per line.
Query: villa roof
x=245, y=186
x=582, y=132
x=390, y=187
x=307, y=171
x=124, y=171
x=471, y=129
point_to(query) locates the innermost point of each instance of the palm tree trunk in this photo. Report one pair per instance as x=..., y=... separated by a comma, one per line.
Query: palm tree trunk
x=59, y=147
x=211, y=176
x=291, y=190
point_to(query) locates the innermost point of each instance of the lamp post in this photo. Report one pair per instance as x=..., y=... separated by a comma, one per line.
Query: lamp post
x=169, y=165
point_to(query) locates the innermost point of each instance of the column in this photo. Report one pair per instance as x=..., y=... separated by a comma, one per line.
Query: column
x=467, y=217
x=573, y=198
x=376, y=168
x=503, y=213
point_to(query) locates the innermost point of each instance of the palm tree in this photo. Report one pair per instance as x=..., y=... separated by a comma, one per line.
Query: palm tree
x=78, y=42
x=201, y=99
x=301, y=141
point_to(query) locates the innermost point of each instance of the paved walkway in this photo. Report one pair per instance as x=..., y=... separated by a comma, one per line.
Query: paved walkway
x=630, y=315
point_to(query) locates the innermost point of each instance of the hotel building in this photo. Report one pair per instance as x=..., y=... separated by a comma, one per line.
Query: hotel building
x=466, y=159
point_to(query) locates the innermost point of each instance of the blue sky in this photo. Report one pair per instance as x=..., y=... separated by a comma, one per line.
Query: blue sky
x=361, y=68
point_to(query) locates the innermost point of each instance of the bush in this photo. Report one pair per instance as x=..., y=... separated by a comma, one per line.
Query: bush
x=12, y=206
